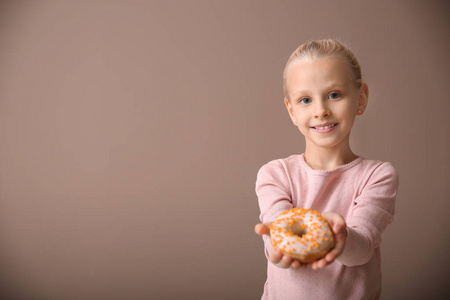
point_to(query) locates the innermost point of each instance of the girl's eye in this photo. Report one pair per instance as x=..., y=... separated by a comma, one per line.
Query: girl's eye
x=305, y=100
x=334, y=95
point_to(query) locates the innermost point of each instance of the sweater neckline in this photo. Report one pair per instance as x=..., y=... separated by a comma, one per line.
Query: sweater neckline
x=339, y=169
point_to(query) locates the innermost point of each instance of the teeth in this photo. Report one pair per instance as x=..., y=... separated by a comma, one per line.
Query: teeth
x=325, y=127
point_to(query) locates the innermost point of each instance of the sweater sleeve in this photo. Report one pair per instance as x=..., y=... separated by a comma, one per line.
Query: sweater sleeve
x=274, y=197
x=273, y=191
x=371, y=212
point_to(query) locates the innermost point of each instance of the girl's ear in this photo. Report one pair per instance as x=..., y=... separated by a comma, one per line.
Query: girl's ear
x=289, y=109
x=363, y=98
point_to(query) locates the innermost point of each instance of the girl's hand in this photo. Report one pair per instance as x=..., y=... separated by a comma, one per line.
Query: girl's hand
x=339, y=228
x=276, y=256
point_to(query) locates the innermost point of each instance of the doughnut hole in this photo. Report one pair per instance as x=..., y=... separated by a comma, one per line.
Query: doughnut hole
x=298, y=229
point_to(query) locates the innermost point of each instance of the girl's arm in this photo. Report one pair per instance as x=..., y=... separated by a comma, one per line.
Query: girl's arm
x=273, y=191
x=272, y=188
x=372, y=211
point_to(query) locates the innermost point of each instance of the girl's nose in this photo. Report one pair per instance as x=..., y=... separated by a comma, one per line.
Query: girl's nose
x=321, y=110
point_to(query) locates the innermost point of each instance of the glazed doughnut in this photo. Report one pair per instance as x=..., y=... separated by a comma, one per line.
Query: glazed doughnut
x=302, y=234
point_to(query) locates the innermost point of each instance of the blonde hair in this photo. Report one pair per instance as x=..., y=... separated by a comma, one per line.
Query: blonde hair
x=315, y=50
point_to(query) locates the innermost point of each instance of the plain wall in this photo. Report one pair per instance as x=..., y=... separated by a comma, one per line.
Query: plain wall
x=131, y=133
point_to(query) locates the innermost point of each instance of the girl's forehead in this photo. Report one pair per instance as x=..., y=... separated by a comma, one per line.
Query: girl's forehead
x=326, y=69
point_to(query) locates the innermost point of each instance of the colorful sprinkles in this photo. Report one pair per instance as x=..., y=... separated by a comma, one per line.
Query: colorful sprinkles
x=300, y=231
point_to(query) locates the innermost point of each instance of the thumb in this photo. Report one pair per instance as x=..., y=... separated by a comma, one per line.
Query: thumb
x=261, y=229
x=336, y=222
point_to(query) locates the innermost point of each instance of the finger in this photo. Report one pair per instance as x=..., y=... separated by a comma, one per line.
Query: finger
x=261, y=229
x=319, y=264
x=338, y=227
x=336, y=221
x=295, y=264
x=340, y=240
x=276, y=256
x=335, y=252
x=286, y=261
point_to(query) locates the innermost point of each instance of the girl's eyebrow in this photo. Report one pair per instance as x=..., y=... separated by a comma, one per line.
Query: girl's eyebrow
x=329, y=87
x=301, y=92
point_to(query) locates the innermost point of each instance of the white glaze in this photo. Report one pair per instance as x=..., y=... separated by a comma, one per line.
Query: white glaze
x=301, y=233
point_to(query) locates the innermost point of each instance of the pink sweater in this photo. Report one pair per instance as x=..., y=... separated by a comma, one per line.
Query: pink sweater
x=363, y=192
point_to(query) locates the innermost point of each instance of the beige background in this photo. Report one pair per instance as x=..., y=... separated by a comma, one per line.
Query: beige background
x=131, y=133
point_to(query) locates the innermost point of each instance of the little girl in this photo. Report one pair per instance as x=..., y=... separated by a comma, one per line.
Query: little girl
x=324, y=93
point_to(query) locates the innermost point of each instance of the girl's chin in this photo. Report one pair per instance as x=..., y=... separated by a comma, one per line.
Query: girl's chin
x=327, y=144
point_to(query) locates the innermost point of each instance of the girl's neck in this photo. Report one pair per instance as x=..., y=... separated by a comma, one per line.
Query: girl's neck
x=328, y=158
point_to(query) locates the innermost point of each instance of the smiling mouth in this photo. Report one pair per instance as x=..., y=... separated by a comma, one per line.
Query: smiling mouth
x=325, y=127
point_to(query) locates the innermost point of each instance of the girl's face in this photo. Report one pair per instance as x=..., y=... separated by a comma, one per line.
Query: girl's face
x=323, y=101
